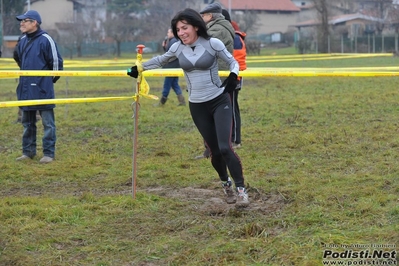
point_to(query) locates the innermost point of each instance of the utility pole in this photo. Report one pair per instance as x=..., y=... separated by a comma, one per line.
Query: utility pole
x=28, y=1
x=230, y=7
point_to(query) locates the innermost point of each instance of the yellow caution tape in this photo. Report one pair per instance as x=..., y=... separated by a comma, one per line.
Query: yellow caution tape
x=310, y=58
x=71, y=100
x=143, y=84
x=8, y=63
x=320, y=73
x=61, y=101
x=115, y=73
x=250, y=72
x=289, y=72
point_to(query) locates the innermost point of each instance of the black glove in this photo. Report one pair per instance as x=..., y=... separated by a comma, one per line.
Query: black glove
x=133, y=72
x=55, y=79
x=230, y=83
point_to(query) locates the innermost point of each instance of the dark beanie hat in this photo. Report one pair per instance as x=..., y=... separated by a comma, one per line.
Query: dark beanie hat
x=212, y=8
x=226, y=14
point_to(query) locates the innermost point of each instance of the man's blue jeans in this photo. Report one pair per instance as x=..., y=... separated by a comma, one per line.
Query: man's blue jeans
x=30, y=130
x=171, y=82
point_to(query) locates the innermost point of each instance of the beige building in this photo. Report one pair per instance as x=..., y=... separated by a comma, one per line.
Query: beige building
x=53, y=11
x=273, y=15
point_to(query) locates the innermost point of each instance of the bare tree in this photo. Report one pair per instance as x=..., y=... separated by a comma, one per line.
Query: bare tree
x=393, y=16
x=322, y=9
x=141, y=20
x=163, y=11
x=248, y=21
x=12, y=8
x=74, y=34
x=348, y=5
x=382, y=11
x=125, y=21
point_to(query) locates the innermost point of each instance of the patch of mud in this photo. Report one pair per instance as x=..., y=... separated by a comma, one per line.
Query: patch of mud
x=208, y=201
x=212, y=202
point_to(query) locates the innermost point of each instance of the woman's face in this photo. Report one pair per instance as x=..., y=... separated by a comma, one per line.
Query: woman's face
x=186, y=32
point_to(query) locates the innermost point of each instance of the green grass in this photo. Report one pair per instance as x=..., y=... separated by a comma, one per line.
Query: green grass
x=279, y=51
x=319, y=154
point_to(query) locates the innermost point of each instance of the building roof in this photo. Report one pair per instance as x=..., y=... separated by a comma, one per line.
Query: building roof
x=34, y=1
x=338, y=19
x=265, y=5
x=307, y=7
x=348, y=17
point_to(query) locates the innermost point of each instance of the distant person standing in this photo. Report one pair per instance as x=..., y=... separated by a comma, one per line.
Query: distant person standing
x=240, y=54
x=171, y=82
x=36, y=50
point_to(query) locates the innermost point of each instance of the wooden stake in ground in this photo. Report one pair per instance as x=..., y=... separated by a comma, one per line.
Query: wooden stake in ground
x=136, y=108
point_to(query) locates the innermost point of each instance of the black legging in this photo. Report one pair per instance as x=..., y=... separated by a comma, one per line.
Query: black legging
x=213, y=120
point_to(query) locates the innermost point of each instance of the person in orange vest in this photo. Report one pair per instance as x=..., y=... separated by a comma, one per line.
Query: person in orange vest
x=240, y=55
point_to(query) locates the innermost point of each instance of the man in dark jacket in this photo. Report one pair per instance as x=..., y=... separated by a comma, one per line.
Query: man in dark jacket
x=219, y=27
x=16, y=58
x=36, y=50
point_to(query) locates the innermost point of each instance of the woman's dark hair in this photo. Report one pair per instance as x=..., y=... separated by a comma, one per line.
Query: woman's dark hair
x=193, y=18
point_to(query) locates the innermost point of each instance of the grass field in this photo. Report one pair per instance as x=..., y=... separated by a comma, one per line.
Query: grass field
x=320, y=155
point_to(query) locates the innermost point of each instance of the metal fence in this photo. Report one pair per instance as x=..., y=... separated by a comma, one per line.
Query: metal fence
x=308, y=43
x=341, y=44
x=95, y=49
x=304, y=44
